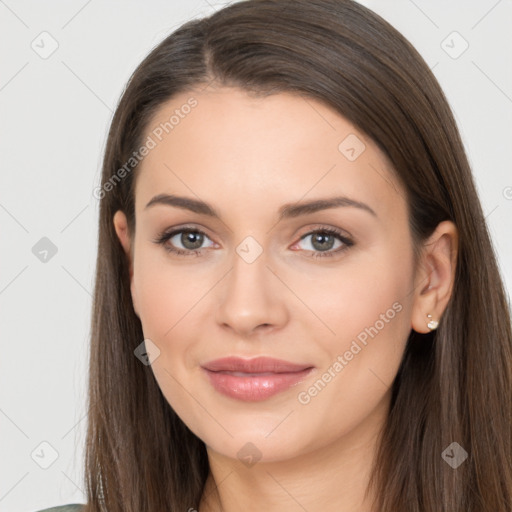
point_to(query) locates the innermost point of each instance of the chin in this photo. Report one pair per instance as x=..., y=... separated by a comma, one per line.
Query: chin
x=269, y=437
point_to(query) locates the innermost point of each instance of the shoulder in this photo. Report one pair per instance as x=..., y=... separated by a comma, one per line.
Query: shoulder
x=75, y=507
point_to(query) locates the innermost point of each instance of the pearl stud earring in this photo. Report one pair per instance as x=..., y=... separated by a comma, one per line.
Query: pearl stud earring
x=432, y=324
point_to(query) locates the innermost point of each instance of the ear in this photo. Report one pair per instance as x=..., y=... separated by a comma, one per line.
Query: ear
x=123, y=233
x=435, y=277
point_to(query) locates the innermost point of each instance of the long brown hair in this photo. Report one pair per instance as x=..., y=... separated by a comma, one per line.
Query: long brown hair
x=454, y=384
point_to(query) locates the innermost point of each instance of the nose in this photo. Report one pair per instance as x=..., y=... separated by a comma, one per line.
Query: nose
x=252, y=298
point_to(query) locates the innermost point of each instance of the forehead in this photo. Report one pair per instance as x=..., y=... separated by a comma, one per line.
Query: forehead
x=226, y=144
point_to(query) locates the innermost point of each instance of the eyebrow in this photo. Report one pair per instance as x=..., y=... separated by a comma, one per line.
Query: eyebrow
x=287, y=211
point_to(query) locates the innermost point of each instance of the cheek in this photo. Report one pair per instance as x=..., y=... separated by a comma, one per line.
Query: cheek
x=168, y=304
x=363, y=311
x=156, y=302
x=368, y=310
x=165, y=293
x=365, y=290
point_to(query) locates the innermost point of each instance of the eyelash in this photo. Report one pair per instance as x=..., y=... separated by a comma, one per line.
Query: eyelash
x=165, y=236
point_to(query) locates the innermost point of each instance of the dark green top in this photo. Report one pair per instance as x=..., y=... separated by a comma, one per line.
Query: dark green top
x=75, y=507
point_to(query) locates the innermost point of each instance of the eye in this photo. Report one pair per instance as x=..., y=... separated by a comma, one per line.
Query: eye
x=323, y=240
x=191, y=240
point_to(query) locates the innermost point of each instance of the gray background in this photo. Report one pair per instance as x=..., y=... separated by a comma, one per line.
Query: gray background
x=54, y=115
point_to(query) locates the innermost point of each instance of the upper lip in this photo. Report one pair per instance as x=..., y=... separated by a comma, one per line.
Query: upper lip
x=255, y=365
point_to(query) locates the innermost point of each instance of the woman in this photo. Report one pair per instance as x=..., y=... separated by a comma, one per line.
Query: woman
x=297, y=303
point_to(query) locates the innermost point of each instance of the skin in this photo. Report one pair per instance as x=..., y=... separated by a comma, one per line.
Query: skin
x=247, y=157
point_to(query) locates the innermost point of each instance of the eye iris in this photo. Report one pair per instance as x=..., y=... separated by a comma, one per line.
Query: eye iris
x=194, y=238
x=319, y=241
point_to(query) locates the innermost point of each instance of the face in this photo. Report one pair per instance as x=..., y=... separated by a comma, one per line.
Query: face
x=325, y=288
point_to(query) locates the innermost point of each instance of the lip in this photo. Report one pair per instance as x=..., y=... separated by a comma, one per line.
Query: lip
x=254, y=379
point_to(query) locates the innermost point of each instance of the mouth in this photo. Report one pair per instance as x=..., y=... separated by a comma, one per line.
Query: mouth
x=254, y=379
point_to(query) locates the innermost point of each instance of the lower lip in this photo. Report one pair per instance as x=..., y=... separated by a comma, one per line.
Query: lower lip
x=253, y=389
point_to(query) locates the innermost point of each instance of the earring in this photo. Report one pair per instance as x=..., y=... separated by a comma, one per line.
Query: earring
x=432, y=324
